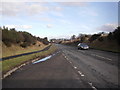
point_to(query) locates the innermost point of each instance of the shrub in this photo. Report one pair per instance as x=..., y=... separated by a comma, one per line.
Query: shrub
x=101, y=39
x=110, y=36
x=33, y=43
x=94, y=37
x=8, y=44
x=24, y=45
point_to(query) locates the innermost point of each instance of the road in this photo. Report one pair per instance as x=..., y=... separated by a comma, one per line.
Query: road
x=69, y=68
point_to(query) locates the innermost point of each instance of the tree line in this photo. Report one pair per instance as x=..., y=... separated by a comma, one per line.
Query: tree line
x=24, y=39
x=115, y=35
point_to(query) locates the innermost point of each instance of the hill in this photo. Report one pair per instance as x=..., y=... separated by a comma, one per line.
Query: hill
x=102, y=41
x=17, y=42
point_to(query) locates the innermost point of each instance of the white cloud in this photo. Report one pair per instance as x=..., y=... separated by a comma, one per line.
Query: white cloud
x=19, y=8
x=49, y=25
x=108, y=27
x=26, y=26
x=57, y=11
x=60, y=0
x=58, y=8
x=73, y=4
x=11, y=9
x=36, y=9
x=19, y=26
x=64, y=21
x=27, y=8
x=60, y=36
x=88, y=12
x=45, y=19
x=85, y=27
x=57, y=14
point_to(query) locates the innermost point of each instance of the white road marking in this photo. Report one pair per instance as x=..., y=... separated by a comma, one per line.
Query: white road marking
x=65, y=56
x=75, y=67
x=81, y=73
x=92, y=86
x=101, y=57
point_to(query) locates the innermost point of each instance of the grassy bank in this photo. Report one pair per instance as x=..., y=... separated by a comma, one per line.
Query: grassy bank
x=11, y=63
x=16, y=49
x=111, y=46
x=106, y=46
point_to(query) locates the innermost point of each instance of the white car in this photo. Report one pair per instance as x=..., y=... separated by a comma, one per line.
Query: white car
x=83, y=46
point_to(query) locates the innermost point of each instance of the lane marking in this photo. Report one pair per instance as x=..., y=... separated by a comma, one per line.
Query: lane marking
x=81, y=73
x=101, y=57
x=75, y=67
x=92, y=85
x=64, y=56
x=67, y=58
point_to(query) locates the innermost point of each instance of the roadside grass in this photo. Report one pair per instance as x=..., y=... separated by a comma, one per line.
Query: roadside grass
x=16, y=49
x=105, y=45
x=12, y=63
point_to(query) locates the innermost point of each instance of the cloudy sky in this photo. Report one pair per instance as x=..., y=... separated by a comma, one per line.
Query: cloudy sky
x=60, y=19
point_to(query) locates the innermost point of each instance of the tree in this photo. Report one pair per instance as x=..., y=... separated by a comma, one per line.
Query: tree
x=116, y=34
x=45, y=41
x=73, y=37
x=94, y=37
x=110, y=36
x=82, y=39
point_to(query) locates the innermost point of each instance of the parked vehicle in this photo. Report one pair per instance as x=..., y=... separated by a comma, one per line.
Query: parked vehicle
x=83, y=46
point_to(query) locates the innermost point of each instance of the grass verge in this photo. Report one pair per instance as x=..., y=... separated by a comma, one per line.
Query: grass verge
x=104, y=46
x=12, y=63
x=16, y=49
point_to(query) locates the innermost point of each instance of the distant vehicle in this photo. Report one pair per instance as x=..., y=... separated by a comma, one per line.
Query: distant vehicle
x=83, y=46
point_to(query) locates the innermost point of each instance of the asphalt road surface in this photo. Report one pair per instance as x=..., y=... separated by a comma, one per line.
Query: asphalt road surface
x=69, y=68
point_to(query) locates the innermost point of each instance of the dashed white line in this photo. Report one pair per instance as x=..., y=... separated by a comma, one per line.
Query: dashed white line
x=81, y=73
x=92, y=86
x=75, y=67
x=65, y=56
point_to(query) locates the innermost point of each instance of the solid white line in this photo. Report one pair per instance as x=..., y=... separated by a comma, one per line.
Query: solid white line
x=101, y=57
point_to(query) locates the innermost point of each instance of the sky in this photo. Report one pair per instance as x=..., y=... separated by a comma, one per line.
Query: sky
x=60, y=19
